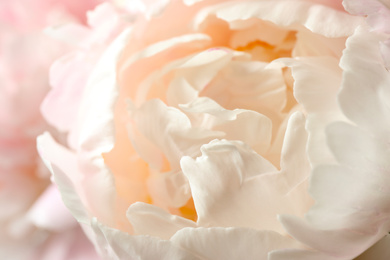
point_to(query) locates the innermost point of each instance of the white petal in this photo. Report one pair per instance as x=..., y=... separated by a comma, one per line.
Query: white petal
x=317, y=18
x=242, y=183
x=162, y=135
x=364, y=97
x=115, y=244
x=231, y=243
x=150, y=220
x=206, y=113
x=342, y=243
x=316, y=85
x=96, y=113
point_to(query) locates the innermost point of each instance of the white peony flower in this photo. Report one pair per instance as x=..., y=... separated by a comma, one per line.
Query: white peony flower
x=225, y=130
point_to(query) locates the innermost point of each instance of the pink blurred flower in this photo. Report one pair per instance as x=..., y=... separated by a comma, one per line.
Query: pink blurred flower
x=239, y=129
x=26, y=54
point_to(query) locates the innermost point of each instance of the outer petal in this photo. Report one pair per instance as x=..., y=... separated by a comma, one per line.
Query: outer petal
x=49, y=212
x=231, y=243
x=328, y=241
x=364, y=97
x=63, y=165
x=378, y=12
x=116, y=244
x=62, y=103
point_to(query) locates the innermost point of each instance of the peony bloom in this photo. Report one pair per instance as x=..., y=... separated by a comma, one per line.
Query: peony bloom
x=34, y=224
x=223, y=130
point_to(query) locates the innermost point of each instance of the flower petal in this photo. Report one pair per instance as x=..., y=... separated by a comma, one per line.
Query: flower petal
x=329, y=241
x=116, y=244
x=231, y=243
x=364, y=97
x=150, y=220
x=63, y=166
x=242, y=183
x=49, y=212
x=206, y=113
x=316, y=85
x=317, y=18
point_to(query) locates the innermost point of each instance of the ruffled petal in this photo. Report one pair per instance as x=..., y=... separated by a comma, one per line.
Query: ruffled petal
x=364, y=97
x=341, y=243
x=239, y=192
x=115, y=244
x=316, y=84
x=206, y=113
x=293, y=14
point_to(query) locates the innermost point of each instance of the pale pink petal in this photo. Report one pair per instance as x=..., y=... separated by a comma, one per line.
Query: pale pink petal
x=63, y=165
x=377, y=11
x=62, y=103
x=67, y=245
x=49, y=212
